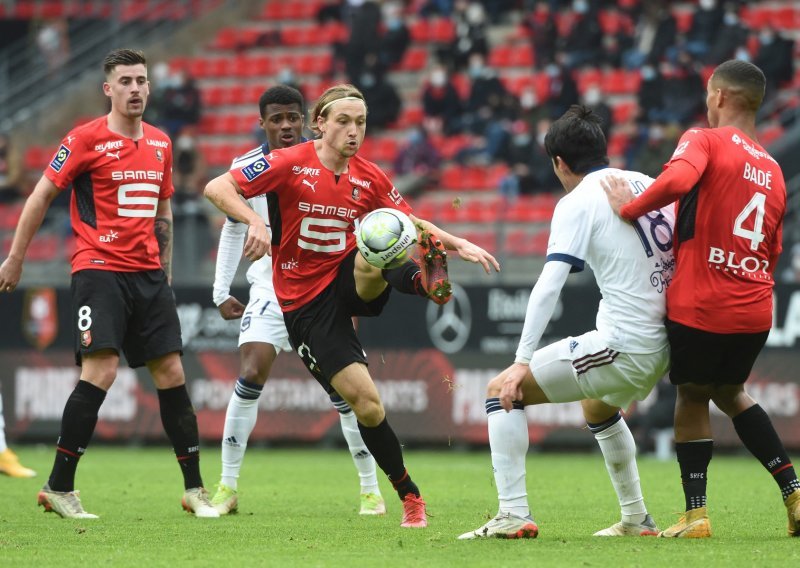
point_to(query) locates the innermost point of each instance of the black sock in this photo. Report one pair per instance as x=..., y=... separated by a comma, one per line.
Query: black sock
x=180, y=424
x=77, y=427
x=693, y=458
x=405, y=278
x=758, y=435
x=384, y=446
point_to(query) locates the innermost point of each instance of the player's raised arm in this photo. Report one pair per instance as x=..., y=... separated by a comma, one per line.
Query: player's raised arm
x=223, y=192
x=29, y=222
x=465, y=249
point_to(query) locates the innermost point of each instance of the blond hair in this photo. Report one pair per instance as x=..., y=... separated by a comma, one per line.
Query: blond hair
x=335, y=93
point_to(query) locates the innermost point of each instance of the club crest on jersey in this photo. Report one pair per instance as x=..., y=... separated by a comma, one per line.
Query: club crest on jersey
x=86, y=338
x=356, y=193
x=159, y=155
x=60, y=158
x=255, y=169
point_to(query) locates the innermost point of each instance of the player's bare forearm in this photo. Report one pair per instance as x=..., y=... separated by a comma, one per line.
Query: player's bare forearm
x=164, y=234
x=29, y=222
x=465, y=249
x=223, y=192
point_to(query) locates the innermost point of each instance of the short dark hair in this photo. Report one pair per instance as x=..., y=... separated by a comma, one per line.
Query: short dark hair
x=743, y=80
x=577, y=137
x=279, y=95
x=122, y=57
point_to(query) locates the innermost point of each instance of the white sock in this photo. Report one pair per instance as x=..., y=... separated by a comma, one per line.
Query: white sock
x=508, y=439
x=240, y=419
x=362, y=458
x=3, y=446
x=619, y=451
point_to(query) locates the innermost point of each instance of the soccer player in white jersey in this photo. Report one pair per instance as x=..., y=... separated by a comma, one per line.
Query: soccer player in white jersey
x=606, y=369
x=263, y=333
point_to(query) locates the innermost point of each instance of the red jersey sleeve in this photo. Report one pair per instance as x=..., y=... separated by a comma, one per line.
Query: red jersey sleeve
x=167, y=188
x=69, y=161
x=260, y=176
x=388, y=195
x=683, y=170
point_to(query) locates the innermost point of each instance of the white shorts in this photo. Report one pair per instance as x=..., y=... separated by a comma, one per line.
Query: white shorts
x=262, y=321
x=578, y=368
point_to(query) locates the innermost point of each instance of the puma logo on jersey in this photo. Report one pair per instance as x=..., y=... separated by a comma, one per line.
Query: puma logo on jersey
x=113, y=154
x=313, y=186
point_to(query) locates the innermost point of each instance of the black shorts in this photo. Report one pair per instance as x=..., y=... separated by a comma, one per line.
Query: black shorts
x=132, y=313
x=322, y=331
x=706, y=358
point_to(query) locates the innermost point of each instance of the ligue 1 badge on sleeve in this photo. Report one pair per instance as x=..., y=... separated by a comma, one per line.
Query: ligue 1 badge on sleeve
x=40, y=317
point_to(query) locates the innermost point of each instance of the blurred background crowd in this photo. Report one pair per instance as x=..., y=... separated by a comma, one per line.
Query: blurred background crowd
x=460, y=95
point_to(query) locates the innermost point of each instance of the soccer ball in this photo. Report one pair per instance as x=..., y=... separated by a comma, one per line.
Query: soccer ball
x=384, y=237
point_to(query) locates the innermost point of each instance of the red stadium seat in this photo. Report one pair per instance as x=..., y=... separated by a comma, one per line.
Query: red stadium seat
x=624, y=111
x=414, y=59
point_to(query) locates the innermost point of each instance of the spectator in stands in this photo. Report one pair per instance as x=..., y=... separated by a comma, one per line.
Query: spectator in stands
x=53, y=43
x=583, y=44
x=651, y=94
x=655, y=150
x=729, y=38
x=365, y=37
x=180, y=104
x=706, y=22
x=417, y=164
x=562, y=89
x=12, y=172
x=488, y=97
x=188, y=169
x=655, y=32
x=443, y=8
x=682, y=82
x=775, y=57
x=541, y=26
x=330, y=11
x=594, y=100
x=531, y=109
x=470, y=34
x=530, y=170
x=396, y=37
x=441, y=104
x=381, y=96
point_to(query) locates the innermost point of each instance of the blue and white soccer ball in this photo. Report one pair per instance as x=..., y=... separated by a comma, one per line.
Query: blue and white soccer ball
x=385, y=236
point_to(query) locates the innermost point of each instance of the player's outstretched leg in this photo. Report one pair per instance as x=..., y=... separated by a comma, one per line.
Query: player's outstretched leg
x=372, y=502
x=426, y=274
x=508, y=440
x=240, y=419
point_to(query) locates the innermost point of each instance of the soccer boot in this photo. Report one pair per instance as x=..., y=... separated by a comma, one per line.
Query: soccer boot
x=66, y=504
x=372, y=504
x=9, y=465
x=225, y=500
x=646, y=528
x=432, y=260
x=505, y=525
x=694, y=523
x=195, y=500
x=793, y=509
x=414, y=515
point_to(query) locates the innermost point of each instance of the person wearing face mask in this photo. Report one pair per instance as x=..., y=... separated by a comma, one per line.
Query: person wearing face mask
x=706, y=20
x=441, y=103
x=728, y=38
x=380, y=94
x=396, y=37
x=593, y=99
x=775, y=58
x=584, y=42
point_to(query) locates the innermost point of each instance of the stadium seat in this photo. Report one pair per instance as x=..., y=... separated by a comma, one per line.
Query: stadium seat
x=414, y=59
x=9, y=215
x=624, y=111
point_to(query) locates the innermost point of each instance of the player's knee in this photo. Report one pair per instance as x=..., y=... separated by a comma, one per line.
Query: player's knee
x=494, y=387
x=254, y=374
x=369, y=411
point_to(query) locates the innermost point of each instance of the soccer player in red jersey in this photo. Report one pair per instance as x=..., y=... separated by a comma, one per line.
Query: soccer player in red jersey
x=119, y=169
x=731, y=199
x=316, y=191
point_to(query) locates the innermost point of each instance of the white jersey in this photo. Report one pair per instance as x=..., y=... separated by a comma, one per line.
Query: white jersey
x=633, y=263
x=232, y=242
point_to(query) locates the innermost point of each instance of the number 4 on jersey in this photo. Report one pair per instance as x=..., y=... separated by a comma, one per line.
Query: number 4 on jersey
x=756, y=237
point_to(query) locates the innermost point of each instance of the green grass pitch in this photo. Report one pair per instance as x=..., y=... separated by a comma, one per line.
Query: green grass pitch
x=299, y=508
